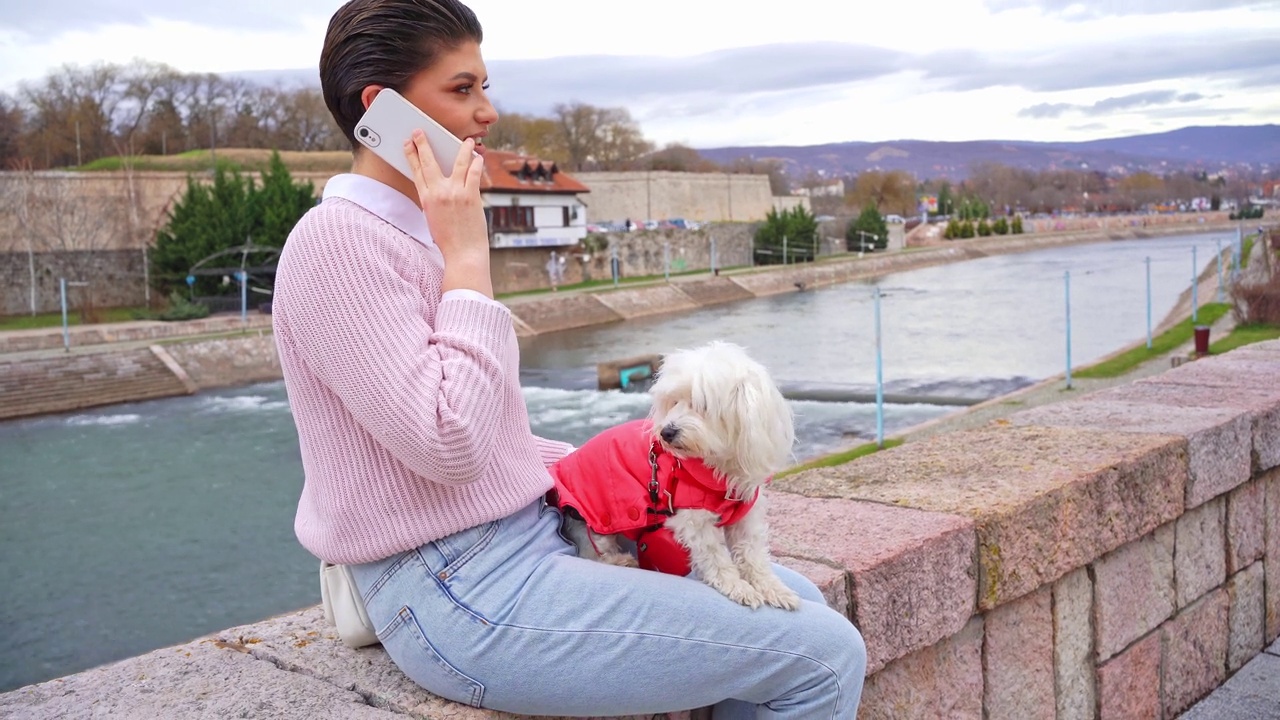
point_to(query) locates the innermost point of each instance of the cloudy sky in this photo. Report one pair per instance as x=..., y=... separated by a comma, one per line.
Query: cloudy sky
x=712, y=72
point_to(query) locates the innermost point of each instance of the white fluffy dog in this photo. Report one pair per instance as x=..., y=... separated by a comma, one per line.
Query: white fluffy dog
x=685, y=483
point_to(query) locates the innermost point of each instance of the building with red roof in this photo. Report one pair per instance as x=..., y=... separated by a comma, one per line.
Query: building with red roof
x=531, y=203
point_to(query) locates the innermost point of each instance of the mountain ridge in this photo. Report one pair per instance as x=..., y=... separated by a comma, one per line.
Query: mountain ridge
x=1250, y=148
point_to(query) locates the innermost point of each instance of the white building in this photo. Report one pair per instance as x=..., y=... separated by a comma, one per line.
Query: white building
x=530, y=203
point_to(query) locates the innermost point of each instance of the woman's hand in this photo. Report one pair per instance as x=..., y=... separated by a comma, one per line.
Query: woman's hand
x=454, y=213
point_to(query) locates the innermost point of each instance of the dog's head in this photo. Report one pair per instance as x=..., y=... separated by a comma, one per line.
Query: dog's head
x=716, y=403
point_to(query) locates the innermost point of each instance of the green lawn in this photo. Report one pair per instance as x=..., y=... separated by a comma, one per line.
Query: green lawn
x=1160, y=345
x=44, y=320
x=1245, y=335
x=840, y=458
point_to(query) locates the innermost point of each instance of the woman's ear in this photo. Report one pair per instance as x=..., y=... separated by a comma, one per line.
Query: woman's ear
x=368, y=94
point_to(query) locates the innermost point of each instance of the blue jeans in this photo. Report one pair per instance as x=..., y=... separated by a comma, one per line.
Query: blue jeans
x=507, y=616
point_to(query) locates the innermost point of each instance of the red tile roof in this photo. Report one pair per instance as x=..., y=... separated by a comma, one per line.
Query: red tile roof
x=512, y=172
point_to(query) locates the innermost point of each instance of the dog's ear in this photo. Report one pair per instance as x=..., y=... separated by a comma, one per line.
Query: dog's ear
x=766, y=427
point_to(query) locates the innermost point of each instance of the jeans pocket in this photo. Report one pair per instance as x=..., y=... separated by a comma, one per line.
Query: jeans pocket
x=456, y=550
x=409, y=648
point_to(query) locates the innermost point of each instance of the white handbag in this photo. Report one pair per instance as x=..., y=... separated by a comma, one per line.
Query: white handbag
x=343, y=606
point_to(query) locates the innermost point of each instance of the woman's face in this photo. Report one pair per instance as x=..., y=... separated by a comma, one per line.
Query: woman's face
x=452, y=91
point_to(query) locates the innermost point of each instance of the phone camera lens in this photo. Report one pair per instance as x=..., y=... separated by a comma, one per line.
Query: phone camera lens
x=364, y=132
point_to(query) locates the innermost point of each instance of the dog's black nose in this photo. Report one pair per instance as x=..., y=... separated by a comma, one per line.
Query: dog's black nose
x=669, y=433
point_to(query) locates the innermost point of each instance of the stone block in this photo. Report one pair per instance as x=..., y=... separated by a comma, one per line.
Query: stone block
x=713, y=290
x=1045, y=500
x=1134, y=590
x=1195, y=653
x=563, y=312
x=1200, y=562
x=1246, y=623
x=648, y=300
x=1246, y=526
x=1018, y=654
x=1271, y=563
x=1219, y=440
x=204, y=678
x=832, y=582
x=1245, y=381
x=913, y=580
x=942, y=681
x=1073, y=664
x=1129, y=683
x=1251, y=694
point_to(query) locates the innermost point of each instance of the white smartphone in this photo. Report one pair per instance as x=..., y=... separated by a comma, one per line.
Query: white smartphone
x=391, y=120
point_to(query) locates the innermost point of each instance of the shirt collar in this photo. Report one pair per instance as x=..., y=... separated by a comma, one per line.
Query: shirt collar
x=382, y=200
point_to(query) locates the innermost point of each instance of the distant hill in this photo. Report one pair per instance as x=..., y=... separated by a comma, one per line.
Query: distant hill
x=1254, y=147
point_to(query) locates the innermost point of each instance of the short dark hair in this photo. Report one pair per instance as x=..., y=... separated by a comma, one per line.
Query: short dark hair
x=386, y=42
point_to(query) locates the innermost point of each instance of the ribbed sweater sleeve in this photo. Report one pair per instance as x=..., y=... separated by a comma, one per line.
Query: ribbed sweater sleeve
x=423, y=393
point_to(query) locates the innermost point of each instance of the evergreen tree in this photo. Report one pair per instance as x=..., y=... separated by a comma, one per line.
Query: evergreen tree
x=1015, y=226
x=229, y=212
x=871, y=222
x=800, y=229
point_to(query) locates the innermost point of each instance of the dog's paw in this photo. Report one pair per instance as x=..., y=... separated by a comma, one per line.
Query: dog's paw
x=777, y=594
x=741, y=592
x=619, y=559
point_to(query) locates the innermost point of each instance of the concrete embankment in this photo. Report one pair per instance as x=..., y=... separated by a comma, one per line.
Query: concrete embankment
x=37, y=376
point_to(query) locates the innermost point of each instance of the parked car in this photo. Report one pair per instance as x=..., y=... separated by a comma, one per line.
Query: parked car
x=894, y=219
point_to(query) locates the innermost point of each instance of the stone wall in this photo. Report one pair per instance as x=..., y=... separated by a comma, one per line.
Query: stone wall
x=115, y=279
x=1112, y=556
x=659, y=195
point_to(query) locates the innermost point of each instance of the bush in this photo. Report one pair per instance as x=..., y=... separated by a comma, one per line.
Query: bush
x=984, y=228
x=799, y=228
x=1015, y=226
x=180, y=308
x=1000, y=226
x=1250, y=212
x=966, y=229
x=872, y=223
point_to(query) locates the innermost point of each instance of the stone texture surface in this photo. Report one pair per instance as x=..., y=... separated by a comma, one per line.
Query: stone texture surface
x=1246, y=525
x=1219, y=440
x=222, y=362
x=1271, y=563
x=1195, y=652
x=1247, y=619
x=942, y=681
x=714, y=290
x=892, y=555
x=564, y=311
x=1200, y=562
x=1134, y=590
x=1073, y=664
x=1129, y=683
x=649, y=300
x=833, y=582
x=1045, y=500
x=1018, y=657
x=205, y=678
x=1247, y=380
x=1251, y=694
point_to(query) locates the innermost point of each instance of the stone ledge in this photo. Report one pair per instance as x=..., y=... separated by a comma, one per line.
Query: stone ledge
x=1044, y=500
x=889, y=554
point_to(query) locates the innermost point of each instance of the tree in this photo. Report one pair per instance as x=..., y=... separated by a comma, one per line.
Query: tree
x=227, y=213
x=889, y=192
x=785, y=235
x=868, y=231
x=598, y=138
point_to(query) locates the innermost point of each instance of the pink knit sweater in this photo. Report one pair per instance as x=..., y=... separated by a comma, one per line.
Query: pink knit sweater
x=410, y=417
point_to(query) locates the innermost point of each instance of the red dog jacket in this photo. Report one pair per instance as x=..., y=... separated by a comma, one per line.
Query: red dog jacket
x=623, y=481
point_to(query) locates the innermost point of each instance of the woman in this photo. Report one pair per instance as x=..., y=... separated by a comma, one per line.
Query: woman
x=420, y=469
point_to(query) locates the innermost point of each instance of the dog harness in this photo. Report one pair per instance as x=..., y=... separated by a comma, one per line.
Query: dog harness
x=624, y=482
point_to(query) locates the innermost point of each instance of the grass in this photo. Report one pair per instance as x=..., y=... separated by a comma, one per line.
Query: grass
x=840, y=458
x=46, y=320
x=241, y=159
x=595, y=284
x=1243, y=335
x=1160, y=345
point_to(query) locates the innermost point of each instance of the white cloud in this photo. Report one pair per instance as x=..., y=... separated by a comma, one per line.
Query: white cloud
x=711, y=73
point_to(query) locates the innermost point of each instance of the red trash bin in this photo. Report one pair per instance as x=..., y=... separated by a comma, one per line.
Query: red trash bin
x=1202, y=340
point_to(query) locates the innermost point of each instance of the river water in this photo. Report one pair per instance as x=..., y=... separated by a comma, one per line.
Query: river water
x=132, y=527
